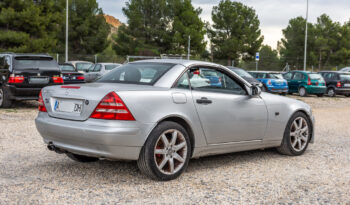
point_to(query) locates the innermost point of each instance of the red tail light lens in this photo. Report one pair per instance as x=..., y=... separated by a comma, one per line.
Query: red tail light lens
x=338, y=84
x=269, y=82
x=112, y=107
x=57, y=79
x=308, y=81
x=80, y=78
x=16, y=79
x=42, y=107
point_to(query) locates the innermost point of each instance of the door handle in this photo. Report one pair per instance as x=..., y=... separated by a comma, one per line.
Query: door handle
x=203, y=100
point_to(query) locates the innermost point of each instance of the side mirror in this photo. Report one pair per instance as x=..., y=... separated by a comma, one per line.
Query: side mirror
x=255, y=90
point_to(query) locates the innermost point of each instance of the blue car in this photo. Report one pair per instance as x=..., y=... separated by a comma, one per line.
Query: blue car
x=215, y=80
x=273, y=82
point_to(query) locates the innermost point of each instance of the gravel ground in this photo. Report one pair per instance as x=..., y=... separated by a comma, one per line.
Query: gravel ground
x=30, y=174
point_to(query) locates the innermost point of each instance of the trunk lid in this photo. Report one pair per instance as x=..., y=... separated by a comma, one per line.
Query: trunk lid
x=77, y=102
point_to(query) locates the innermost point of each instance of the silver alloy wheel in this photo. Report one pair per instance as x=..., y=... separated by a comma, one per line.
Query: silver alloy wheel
x=302, y=91
x=331, y=92
x=299, y=134
x=1, y=97
x=170, y=151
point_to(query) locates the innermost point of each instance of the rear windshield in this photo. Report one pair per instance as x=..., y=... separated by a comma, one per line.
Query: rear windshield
x=242, y=73
x=315, y=76
x=36, y=63
x=67, y=68
x=276, y=76
x=111, y=67
x=137, y=73
x=345, y=77
x=83, y=66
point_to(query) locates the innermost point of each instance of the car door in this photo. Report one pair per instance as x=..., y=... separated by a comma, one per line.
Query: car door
x=297, y=80
x=227, y=114
x=288, y=77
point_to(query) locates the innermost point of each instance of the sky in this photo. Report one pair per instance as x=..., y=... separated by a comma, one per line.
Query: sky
x=273, y=14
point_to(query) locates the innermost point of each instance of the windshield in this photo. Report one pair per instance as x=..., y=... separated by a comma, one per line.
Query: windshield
x=67, y=68
x=83, y=66
x=315, y=76
x=27, y=62
x=242, y=73
x=345, y=77
x=137, y=73
x=111, y=67
x=276, y=76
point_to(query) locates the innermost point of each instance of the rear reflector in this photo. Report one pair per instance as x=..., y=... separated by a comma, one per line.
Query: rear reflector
x=41, y=103
x=57, y=79
x=112, y=107
x=70, y=87
x=16, y=79
x=80, y=78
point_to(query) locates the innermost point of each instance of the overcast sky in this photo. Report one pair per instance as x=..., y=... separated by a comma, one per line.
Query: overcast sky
x=273, y=14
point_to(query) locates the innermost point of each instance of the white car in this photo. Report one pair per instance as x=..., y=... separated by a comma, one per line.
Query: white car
x=346, y=69
x=81, y=66
x=99, y=69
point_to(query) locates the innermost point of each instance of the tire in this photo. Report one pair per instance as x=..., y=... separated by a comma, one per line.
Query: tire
x=302, y=92
x=347, y=95
x=331, y=92
x=5, y=101
x=320, y=95
x=81, y=158
x=290, y=143
x=158, y=166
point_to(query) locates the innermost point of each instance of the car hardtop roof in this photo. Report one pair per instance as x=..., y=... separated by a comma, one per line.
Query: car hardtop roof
x=79, y=62
x=183, y=62
x=334, y=71
x=301, y=71
x=109, y=63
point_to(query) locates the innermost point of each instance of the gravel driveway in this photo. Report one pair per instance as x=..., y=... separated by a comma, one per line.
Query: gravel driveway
x=29, y=173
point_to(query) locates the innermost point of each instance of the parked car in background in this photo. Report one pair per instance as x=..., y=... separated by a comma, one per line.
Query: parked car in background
x=99, y=69
x=164, y=120
x=304, y=83
x=213, y=77
x=272, y=81
x=70, y=75
x=346, y=69
x=337, y=82
x=22, y=76
x=246, y=76
x=81, y=66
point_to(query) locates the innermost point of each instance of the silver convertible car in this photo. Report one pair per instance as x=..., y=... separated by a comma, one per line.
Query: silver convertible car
x=164, y=112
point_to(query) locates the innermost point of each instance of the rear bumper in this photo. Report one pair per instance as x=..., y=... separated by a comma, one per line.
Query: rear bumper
x=93, y=137
x=342, y=91
x=313, y=89
x=18, y=93
x=277, y=89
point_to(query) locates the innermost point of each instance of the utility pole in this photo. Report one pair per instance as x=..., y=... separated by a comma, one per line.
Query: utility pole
x=67, y=31
x=307, y=15
x=188, y=47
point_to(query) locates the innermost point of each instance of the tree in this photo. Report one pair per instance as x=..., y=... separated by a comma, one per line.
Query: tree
x=269, y=59
x=160, y=26
x=26, y=26
x=88, y=30
x=235, y=32
x=292, y=45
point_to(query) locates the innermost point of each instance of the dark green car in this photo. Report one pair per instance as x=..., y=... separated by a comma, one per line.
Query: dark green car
x=305, y=83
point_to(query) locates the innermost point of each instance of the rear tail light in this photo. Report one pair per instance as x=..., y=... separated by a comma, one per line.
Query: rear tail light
x=112, y=107
x=16, y=79
x=269, y=82
x=338, y=84
x=308, y=81
x=42, y=107
x=80, y=78
x=57, y=79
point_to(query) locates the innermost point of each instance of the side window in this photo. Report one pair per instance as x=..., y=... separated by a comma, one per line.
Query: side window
x=97, y=68
x=212, y=80
x=288, y=76
x=298, y=76
x=4, y=62
x=183, y=83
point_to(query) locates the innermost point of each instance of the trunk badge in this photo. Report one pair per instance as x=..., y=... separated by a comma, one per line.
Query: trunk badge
x=86, y=102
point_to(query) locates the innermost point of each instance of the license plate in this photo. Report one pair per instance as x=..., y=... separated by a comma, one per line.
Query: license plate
x=346, y=85
x=35, y=80
x=68, y=106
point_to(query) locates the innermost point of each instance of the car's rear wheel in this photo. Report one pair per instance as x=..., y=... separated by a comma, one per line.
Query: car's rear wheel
x=81, y=158
x=5, y=101
x=296, y=135
x=302, y=92
x=347, y=95
x=331, y=92
x=166, y=152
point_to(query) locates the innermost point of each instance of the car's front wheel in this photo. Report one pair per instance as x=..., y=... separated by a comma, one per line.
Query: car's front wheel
x=5, y=101
x=296, y=135
x=166, y=152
